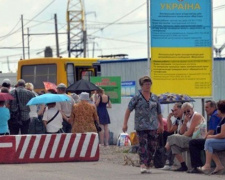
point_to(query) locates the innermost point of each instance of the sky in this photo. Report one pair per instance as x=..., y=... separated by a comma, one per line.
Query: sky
x=113, y=27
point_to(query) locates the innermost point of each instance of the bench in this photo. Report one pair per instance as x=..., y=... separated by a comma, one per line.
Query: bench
x=186, y=156
x=221, y=155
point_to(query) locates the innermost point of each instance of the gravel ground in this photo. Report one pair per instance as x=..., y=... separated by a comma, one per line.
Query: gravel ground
x=121, y=156
x=118, y=155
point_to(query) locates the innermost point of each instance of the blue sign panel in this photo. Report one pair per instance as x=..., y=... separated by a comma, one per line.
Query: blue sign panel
x=181, y=23
x=128, y=88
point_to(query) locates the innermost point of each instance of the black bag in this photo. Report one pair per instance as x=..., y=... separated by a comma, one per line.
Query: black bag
x=98, y=128
x=36, y=126
x=159, y=157
x=15, y=116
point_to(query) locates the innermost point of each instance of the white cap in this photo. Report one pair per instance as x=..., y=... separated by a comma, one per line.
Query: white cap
x=84, y=96
x=61, y=86
x=7, y=81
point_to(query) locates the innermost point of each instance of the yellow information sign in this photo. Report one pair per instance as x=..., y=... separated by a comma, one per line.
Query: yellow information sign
x=186, y=71
x=181, y=47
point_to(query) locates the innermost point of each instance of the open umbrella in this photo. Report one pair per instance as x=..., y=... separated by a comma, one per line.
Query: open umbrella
x=6, y=97
x=168, y=98
x=82, y=86
x=48, y=98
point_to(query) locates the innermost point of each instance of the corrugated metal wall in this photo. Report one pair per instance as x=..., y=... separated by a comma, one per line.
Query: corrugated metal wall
x=219, y=79
x=129, y=70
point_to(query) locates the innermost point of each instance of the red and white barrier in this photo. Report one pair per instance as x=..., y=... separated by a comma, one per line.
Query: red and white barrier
x=49, y=148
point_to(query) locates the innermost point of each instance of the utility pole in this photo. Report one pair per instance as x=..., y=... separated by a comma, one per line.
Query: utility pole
x=28, y=43
x=56, y=36
x=85, y=42
x=93, y=50
x=148, y=39
x=23, y=36
x=68, y=35
x=8, y=64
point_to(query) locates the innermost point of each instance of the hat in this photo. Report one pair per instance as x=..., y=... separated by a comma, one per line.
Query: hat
x=144, y=79
x=84, y=96
x=75, y=97
x=61, y=86
x=7, y=81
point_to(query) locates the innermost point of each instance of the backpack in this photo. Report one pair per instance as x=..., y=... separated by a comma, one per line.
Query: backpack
x=36, y=126
x=159, y=157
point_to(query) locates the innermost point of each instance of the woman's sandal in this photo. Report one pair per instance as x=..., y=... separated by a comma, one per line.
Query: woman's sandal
x=221, y=171
x=205, y=171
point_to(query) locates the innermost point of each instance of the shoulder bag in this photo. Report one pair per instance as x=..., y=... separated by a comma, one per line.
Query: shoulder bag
x=53, y=117
x=15, y=116
x=98, y=128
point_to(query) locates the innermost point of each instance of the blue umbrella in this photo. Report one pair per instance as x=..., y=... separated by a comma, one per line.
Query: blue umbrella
x=48, y=98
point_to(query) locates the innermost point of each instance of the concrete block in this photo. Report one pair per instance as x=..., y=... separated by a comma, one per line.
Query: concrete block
x=46, y=148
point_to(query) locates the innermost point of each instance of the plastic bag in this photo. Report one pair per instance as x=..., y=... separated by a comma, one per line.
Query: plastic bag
x=134, y=138
x=123, y=140
x=200, y=131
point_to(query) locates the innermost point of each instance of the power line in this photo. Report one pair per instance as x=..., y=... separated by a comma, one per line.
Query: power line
x=40, y=12
x=113, y=39
x=5, y=36
x=120, y=23
x=219, y=7
x=41, y=22
x=10, y=32
x=119, y=18
x=19, y=29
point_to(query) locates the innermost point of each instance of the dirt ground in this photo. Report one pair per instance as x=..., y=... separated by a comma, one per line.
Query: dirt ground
x=118, y=155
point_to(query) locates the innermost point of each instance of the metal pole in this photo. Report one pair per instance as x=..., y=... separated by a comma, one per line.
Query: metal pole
x=93, y=50
x=68, y=35
x=28, y=43
x=203, y=109
x=56, y=36
x=148, y=39
x=23, y=36
x=85, y=42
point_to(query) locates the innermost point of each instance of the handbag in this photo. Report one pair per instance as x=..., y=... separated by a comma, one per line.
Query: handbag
x=98, y=128
x=159, y=156
x=15, y=116
x=36, y=126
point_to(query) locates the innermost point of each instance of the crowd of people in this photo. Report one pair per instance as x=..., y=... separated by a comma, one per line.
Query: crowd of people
x=74, y=116
x=188, y=131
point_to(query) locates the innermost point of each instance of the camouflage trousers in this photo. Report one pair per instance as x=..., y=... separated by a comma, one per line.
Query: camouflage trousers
x=148, y=140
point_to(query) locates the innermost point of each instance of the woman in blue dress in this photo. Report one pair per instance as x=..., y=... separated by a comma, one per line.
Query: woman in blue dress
x=102, y=103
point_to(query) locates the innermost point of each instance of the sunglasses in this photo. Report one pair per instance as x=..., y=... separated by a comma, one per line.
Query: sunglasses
x=147, y=84
x=188, y=111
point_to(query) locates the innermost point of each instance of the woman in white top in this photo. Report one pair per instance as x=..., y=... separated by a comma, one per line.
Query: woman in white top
x=55, y=125
x=179, y=143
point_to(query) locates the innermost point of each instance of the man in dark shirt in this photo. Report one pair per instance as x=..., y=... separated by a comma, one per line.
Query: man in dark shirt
x=23, y=96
